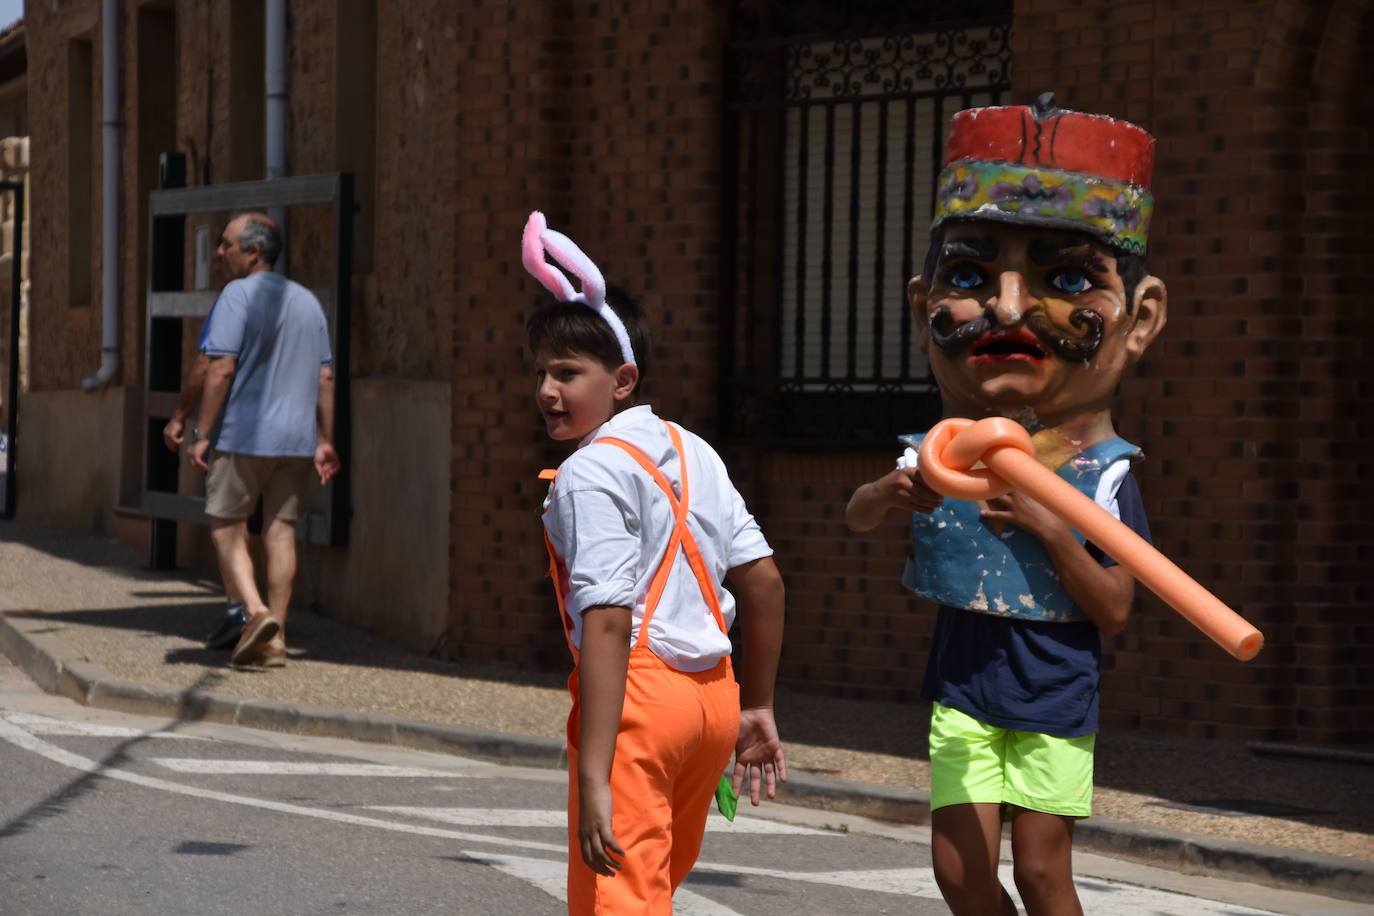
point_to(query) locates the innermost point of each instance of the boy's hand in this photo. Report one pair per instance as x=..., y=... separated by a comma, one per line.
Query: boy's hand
x=758, y=752
x=594, y=831
x=903, y=488
x=1024, y=512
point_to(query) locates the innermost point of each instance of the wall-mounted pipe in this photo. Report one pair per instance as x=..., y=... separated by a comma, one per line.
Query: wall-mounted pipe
x=110, y=130
x=275, y=82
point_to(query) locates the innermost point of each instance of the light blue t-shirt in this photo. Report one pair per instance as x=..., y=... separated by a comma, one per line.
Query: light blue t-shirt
x=277, y=331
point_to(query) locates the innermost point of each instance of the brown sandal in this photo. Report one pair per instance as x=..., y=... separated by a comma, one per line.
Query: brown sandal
x=259, y=630
x=273, y=654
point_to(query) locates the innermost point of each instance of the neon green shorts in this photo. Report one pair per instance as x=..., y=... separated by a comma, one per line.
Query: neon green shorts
x=975, y=763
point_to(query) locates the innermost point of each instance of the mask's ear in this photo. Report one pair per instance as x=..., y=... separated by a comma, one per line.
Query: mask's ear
x=918, y=298
x=626, y=381
x=1150, y=309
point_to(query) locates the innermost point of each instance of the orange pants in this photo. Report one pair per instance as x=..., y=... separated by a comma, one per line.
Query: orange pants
x=677, y=732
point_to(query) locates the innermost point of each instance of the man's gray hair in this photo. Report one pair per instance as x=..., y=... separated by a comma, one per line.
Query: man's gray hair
x=262, y=235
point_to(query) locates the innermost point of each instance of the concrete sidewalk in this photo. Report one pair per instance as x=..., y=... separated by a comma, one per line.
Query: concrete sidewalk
x=82, y=617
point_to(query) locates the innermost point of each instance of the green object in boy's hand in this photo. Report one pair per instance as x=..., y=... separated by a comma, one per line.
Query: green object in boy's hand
x=726, y=799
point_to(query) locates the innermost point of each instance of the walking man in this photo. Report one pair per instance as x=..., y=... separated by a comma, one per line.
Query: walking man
x=230, y=628
x=267, y=413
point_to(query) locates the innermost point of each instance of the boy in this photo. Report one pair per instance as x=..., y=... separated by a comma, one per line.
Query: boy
x=1036, y=298
x=642, y=525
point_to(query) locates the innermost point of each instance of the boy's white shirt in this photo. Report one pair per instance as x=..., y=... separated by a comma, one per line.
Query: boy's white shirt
x=610, y=522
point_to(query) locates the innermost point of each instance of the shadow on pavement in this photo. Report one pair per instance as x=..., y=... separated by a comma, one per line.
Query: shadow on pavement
x=1179, y=777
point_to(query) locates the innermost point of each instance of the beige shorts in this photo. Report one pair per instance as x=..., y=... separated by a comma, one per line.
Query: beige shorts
x=236, y=481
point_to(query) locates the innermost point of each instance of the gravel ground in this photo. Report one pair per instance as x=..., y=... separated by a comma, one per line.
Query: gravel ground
x=148, y=626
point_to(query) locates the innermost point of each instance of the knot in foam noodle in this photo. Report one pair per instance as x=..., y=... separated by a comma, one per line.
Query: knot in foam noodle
x=953, y=447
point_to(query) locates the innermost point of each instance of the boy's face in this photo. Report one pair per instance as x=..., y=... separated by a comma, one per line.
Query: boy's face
x=1021, y=317
x=577, y=393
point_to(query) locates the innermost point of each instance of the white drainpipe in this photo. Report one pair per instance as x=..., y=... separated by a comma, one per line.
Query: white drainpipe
x=109, y=206
x=275, y=54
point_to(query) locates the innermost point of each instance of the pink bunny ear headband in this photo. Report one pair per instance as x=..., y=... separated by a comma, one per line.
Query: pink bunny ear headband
x=538, y=239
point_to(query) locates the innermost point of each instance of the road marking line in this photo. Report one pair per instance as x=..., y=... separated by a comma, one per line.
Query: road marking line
x=23, y=739
x=552, y=878
x=1125, y=899
x=291, y=768
x=534, y=817
x=44, y=725
x=905, y=882
x=1100, y=896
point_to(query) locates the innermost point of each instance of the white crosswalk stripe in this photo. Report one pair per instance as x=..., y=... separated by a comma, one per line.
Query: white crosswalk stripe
x=1099, y=896
x=552, y=878
x=44, y=725
x=549, y=874
x=292, y=768
x=534, y=817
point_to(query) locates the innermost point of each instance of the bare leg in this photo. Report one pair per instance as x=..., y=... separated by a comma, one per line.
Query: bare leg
x=230, y=537
x=231, y=592
x=279, y=544
x=965, y=842
x=1042, y=850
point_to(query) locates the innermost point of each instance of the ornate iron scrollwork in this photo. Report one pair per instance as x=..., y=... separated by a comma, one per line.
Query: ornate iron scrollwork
x=922, y=63
x=837, y=106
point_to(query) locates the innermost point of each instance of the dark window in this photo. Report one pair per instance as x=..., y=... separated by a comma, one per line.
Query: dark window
x=247, y=87
x=836, y=128
x=355, y=119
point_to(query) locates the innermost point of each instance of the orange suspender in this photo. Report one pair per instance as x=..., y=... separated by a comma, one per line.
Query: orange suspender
x=681, y=536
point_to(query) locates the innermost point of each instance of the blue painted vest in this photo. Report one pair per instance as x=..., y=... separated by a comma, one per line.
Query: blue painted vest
x=956, y=560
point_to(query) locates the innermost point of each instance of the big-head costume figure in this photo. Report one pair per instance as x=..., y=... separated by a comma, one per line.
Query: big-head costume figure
x=1034, y=300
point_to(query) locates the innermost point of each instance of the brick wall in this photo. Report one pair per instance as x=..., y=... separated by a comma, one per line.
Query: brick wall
x=1248, y=405
x=608, y=116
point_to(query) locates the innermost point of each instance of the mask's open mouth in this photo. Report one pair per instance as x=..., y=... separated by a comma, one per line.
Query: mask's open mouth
x=1018, y=344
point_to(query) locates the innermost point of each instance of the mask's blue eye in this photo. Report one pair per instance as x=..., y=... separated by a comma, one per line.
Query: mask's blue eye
x=1070, y=280
x=965, y=276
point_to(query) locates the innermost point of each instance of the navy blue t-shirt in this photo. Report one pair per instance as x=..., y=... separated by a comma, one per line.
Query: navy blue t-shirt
x=1025, y=675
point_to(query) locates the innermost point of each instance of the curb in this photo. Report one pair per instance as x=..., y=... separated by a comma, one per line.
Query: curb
x=57, y=667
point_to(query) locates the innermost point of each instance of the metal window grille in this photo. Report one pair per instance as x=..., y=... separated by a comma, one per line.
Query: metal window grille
x=837, y=142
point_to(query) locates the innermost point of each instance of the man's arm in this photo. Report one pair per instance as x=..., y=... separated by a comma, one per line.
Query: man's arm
x=327, y=461
x=324, y=407
x=758, y=589
x=601, y=669
x=174, y=433
x=219, y=377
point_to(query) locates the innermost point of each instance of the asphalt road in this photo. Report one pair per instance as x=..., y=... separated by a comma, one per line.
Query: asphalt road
x=102, y=813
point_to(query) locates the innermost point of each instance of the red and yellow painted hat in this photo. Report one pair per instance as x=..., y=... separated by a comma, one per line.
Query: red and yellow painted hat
x=1042, y=165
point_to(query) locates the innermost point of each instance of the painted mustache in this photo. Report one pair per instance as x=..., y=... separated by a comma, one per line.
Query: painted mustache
x=953, y=339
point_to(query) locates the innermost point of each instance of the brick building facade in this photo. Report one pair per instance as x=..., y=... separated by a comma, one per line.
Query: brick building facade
x=633, y=126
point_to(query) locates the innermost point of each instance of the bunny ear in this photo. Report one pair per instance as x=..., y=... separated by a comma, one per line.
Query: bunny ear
x=538, y=239
x=566, y=253
x=532, y=254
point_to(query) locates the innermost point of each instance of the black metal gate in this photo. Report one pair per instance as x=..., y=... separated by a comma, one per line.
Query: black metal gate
x=169, y=303
x=9, y=487
x=834, y=138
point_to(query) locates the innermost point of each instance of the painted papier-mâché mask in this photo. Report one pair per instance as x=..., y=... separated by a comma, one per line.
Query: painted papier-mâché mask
x=1034, y=302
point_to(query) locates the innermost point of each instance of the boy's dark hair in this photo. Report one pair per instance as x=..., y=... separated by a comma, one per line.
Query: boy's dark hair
x=567, y=328
x=1131, y=268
